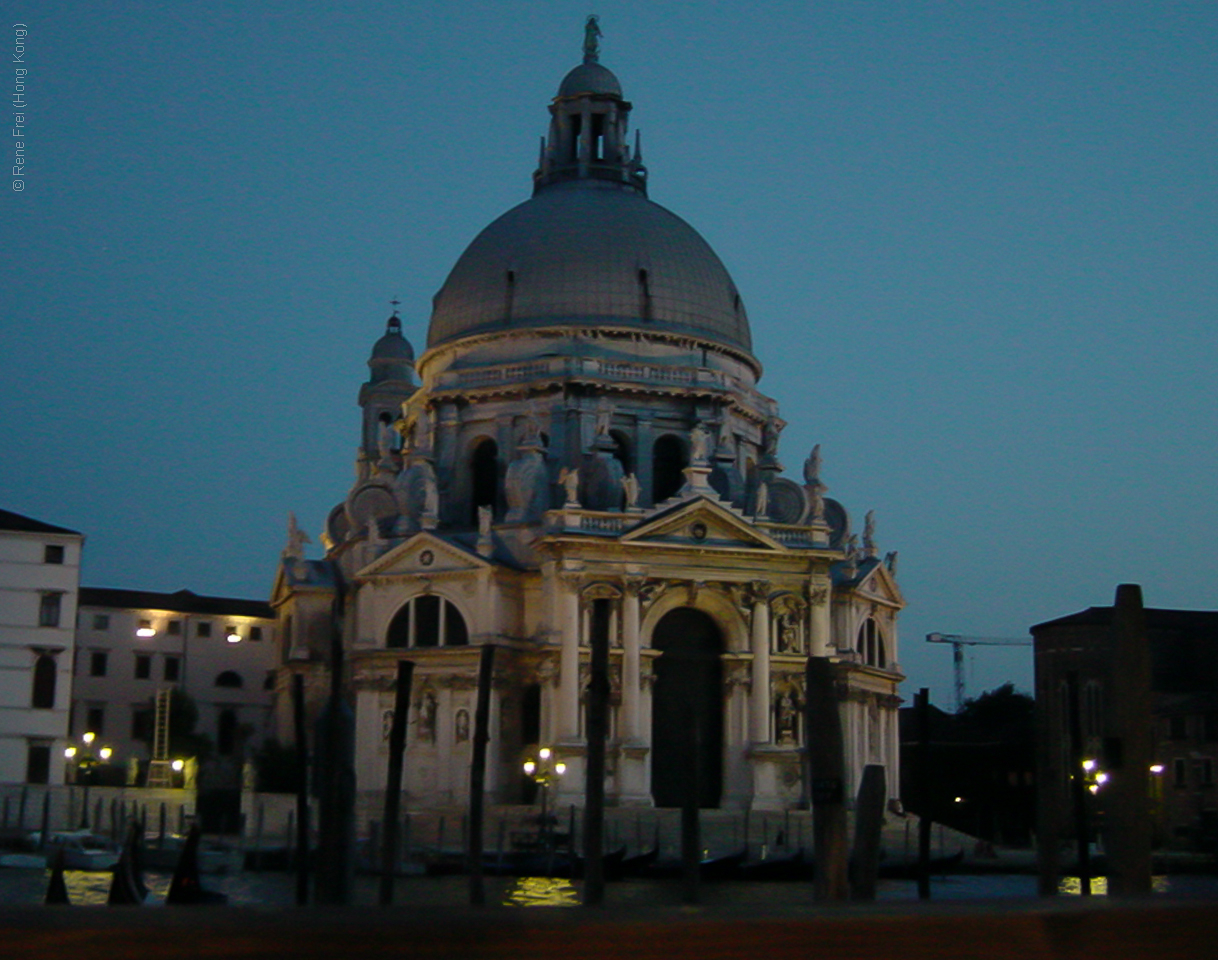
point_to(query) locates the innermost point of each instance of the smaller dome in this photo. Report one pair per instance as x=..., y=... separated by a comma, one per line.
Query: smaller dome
x=392, y=355
x=590, y=78
x=393, y=346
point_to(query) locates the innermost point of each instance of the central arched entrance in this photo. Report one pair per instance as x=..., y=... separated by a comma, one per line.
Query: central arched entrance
x=687, y=708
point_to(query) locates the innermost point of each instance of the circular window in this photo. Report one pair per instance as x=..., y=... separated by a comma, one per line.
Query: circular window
x=698, y=531
x=427, y=558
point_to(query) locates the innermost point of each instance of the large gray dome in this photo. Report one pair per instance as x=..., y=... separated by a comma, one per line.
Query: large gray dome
x=590, y=253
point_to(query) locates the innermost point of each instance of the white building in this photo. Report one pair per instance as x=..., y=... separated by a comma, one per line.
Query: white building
x=131, y=644
x=589, y=450
x=39, y=579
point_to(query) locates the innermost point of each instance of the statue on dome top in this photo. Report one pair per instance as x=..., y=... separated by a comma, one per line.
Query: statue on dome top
x=592, y=33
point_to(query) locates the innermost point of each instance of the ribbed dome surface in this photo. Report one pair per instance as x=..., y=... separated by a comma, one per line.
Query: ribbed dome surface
x=590, y=253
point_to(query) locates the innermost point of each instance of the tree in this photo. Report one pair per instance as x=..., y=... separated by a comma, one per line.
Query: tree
x=1003, y=713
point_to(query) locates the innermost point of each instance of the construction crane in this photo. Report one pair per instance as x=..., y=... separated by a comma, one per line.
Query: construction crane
x=960, y=641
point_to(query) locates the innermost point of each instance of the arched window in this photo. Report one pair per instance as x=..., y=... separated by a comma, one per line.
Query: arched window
x=45, y=675
x=871, y=644
x=623, y=452
x=668, y=464
x=229, y=678
x=484, y=477
x=427, y=621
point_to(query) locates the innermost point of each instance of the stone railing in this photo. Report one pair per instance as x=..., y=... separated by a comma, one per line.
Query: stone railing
x=566, y=367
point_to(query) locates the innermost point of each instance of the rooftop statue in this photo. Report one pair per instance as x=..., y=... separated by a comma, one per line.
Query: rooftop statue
x=592, y=32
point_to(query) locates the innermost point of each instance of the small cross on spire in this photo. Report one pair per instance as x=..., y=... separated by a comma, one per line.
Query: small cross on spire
x=396, y=303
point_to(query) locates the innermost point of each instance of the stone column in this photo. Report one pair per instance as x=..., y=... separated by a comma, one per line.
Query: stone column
x=568, y=663
x=631, y=661
x=759, y=713
x=818, y=617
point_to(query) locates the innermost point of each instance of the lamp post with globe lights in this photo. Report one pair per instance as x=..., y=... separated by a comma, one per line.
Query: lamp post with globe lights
x=544, y=770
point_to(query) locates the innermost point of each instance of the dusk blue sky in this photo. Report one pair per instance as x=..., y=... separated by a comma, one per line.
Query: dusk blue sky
x=977, y=243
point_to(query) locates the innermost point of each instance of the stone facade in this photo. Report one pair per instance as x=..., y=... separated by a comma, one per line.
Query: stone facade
x=39, y=582
x=588, y=439
x=220, y=651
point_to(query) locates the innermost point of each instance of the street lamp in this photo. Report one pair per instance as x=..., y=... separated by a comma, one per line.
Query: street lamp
x=544, y=770
x=85, y=758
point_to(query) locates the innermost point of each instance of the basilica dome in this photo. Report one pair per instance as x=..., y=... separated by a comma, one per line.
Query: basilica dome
x=590, y=253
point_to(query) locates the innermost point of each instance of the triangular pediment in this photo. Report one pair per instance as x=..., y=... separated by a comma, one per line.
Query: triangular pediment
x=702, y=523
x=423, y=553
x=880, y=585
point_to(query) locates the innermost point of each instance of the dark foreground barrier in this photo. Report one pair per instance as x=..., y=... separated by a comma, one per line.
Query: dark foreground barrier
x=1111, y=930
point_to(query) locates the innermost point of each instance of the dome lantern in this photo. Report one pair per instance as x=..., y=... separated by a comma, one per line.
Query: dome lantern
x=588, y=123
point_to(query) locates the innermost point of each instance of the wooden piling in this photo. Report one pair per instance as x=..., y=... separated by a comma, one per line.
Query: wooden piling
x=302, y=791
x=477, y=774
x=594, y=783
x=826, y=757
x=393, y=786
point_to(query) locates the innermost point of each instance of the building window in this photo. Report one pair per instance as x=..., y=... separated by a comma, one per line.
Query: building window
x=174, y=628
x=871, y=643
x=203, y=628
x=38, y=763
x=268, y=682
x=145, y=629
x=428, y=621
x=98, y=661
x=48, y=609
x=143, y=666
x=173, y=668
x=141, y=724
x=229, y=678
x=484, y=473
x=668, y=463
x=101, y=621
x=52, y=553
x=45, y=676
x=1179, y=772
x=1203, y=770
x=1211, y=726
x=95, y=720
x=255, y=633
x=226, y=732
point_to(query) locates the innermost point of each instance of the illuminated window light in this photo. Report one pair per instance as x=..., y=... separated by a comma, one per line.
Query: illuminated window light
x=145, y=629
x=233, y=636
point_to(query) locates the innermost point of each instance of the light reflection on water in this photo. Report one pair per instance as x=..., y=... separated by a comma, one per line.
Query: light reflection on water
x=541, y=892
x=277, y=889
x=1073, y=886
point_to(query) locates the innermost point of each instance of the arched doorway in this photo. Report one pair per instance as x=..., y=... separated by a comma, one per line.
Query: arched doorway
x=687, y=702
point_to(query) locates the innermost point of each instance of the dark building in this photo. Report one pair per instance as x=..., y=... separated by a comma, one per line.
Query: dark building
x=1184, y=703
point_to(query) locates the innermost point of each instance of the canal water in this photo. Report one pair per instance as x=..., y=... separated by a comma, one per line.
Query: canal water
x=276, y=889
